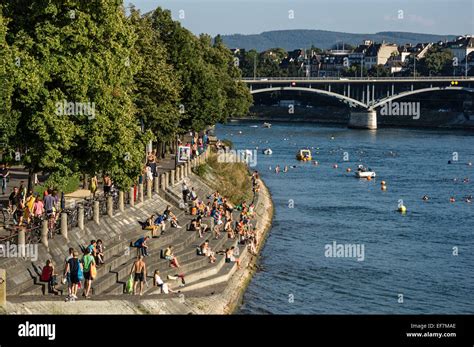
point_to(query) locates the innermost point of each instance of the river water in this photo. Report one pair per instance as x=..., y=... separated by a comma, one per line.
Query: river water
x=419, y=262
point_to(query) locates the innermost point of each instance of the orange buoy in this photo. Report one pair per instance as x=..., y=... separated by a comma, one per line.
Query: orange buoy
x=348, y=169
x=369, y=178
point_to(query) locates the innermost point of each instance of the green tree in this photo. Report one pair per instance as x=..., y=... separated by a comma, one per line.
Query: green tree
x=67, y=55
x=7, y=121
x=379, y=71
x=237, y=95
x=192, y=59
x=158, y=88
x=438, y=61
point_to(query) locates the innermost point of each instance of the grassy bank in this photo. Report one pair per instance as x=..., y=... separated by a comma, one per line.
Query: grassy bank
x=69, y=185
x=230, y=179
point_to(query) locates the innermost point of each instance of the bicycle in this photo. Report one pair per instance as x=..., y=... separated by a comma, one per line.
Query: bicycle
x=88, y=210
x=7, y=216
x=33, y=235
x=72, y=217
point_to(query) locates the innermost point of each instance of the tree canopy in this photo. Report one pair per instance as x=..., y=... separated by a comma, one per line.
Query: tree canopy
x=85, y=87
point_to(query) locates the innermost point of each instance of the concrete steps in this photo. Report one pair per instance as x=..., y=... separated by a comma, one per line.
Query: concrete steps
x=117, y=234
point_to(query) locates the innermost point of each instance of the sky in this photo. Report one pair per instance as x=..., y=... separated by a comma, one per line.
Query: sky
x=453, y=17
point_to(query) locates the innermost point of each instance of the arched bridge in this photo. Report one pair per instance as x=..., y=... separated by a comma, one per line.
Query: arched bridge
x=364, y=95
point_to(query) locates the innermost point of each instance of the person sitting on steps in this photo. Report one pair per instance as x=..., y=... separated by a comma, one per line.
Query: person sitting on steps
x=230, y=258
x=168, y=254
x=142, y=247
x=150, y=225
x=158, y=282
x=169, y=215
x=48, y=275
x=206, y=251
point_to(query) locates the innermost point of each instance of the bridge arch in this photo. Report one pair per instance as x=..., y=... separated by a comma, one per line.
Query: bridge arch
x=312, y=90
x=380, y=102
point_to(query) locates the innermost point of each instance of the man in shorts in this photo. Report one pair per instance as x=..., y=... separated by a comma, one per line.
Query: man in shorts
x=138, y=272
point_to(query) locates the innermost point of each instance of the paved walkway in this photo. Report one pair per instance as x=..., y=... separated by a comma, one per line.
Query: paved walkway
x=19, y=174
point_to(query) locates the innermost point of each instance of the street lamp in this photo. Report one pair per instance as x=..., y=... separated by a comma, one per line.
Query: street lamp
x=177, y=149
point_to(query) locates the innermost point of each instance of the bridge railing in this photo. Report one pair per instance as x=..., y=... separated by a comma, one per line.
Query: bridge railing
x=424, y=78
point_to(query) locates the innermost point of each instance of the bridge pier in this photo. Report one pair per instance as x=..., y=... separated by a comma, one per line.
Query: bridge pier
x=363, y=120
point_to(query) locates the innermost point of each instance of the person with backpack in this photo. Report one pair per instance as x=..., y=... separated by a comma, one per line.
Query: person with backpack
x=75, y=270
x=90, y=272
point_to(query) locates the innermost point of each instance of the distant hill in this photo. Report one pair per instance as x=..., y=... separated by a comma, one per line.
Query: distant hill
x=293, y=39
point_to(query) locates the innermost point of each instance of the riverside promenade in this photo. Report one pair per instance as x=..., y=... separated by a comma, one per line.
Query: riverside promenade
x=209, y=288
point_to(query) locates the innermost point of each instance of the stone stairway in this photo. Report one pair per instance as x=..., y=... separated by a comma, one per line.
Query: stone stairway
x=117, y=233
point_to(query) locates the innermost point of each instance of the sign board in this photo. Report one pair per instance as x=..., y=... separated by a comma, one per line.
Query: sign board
x=184, y=154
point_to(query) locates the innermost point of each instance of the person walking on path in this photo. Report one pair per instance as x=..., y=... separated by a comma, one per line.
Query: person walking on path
x=89, y=265
x=107, y=185
x=4, y=172
x=94, y=185
x=67, y=274
x=75, y=269
x=138, y=272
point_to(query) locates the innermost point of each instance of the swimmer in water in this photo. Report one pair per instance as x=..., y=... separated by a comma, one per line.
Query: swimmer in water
x=285, y=169
x=425, y=197
x=277, y=169
x=293, y=166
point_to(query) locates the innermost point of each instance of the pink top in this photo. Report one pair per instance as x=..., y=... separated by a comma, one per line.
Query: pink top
x=38, y=208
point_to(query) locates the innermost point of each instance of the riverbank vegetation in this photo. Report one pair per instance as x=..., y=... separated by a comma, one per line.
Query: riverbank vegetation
x=232, y=180
x=87, y=84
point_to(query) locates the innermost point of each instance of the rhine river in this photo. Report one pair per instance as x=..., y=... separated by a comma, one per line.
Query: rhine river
x=416, y=263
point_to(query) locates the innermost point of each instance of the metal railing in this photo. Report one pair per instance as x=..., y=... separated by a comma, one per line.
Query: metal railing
x=367, y=78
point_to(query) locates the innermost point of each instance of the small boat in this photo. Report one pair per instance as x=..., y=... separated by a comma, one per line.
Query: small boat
x=267, y=125
x=304, y=155
x=363, y=172
x=267, y=151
